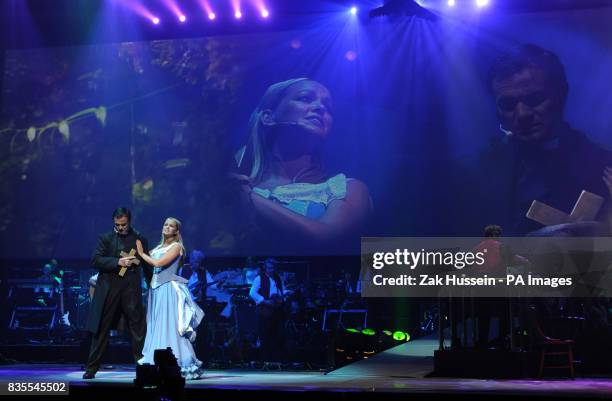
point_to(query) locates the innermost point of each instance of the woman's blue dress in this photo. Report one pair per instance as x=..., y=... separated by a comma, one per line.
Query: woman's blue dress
x=172, y=317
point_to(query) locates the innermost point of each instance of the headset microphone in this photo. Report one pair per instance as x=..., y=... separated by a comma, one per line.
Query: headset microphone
x=505, y=131
x=282, y=123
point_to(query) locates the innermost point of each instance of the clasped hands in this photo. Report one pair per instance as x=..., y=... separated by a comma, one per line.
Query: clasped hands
x=127, y=261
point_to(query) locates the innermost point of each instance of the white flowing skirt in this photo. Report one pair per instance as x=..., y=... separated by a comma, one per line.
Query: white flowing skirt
x=172, y=318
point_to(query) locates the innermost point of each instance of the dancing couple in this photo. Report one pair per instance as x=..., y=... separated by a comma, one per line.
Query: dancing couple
x=172, y=316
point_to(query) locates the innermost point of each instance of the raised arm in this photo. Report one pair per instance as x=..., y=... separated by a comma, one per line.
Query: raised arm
x=147, y=268
x=172, y=253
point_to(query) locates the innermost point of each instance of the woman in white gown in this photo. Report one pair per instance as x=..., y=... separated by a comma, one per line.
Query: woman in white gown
x=172, y=316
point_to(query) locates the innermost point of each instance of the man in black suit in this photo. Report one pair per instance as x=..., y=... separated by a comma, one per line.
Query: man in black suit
x=540, y=156
x=118, y=289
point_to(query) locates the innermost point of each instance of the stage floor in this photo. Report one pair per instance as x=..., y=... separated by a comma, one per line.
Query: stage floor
x=402, y=369
x=316, y=381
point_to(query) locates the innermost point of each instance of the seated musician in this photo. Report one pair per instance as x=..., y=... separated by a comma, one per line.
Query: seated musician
x=199, y=278
x=267, y=291
x=45, y=293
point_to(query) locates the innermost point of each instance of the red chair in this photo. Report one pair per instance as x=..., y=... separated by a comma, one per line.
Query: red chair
x=550, y=347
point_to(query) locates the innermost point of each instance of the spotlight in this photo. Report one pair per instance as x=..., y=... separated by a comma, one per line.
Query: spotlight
x=265, y=13
x=211, y=16
x=351, y=55
x=182, y=18
x=451, y=3
x=396, y=8
x=155, y=20
x=238, y=14
x=353, y=10
x=482, y=3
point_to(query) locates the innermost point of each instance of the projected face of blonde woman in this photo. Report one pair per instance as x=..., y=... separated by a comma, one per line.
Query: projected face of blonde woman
x=307, y=104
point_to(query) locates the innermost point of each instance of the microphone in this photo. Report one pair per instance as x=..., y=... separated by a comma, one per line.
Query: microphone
x=505, y=131
x=282, y=124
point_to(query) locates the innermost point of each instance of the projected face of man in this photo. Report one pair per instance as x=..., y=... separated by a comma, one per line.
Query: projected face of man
x=308, y=104
x=528, y=105
x=122, y=225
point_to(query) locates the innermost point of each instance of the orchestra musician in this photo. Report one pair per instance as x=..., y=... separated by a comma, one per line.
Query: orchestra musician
x=267, y=291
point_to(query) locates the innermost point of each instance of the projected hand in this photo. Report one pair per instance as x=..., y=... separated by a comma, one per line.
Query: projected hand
x=241, y=179
x=246, y=187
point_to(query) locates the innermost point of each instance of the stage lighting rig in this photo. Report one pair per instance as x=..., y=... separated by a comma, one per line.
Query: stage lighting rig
x=394, y=8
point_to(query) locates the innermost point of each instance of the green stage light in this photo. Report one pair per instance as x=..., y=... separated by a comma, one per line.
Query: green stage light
x=368, y=332
x=353, y=330
x=387, y=332
x=399, y=335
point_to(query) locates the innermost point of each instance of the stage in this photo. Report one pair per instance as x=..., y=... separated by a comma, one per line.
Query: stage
x=405, y=369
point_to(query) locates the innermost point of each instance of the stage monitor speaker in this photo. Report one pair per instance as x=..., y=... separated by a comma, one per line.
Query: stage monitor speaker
x=335, y=319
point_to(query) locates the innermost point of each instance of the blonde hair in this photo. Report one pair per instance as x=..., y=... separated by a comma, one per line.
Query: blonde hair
x=261, y=150
x=178, y=239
